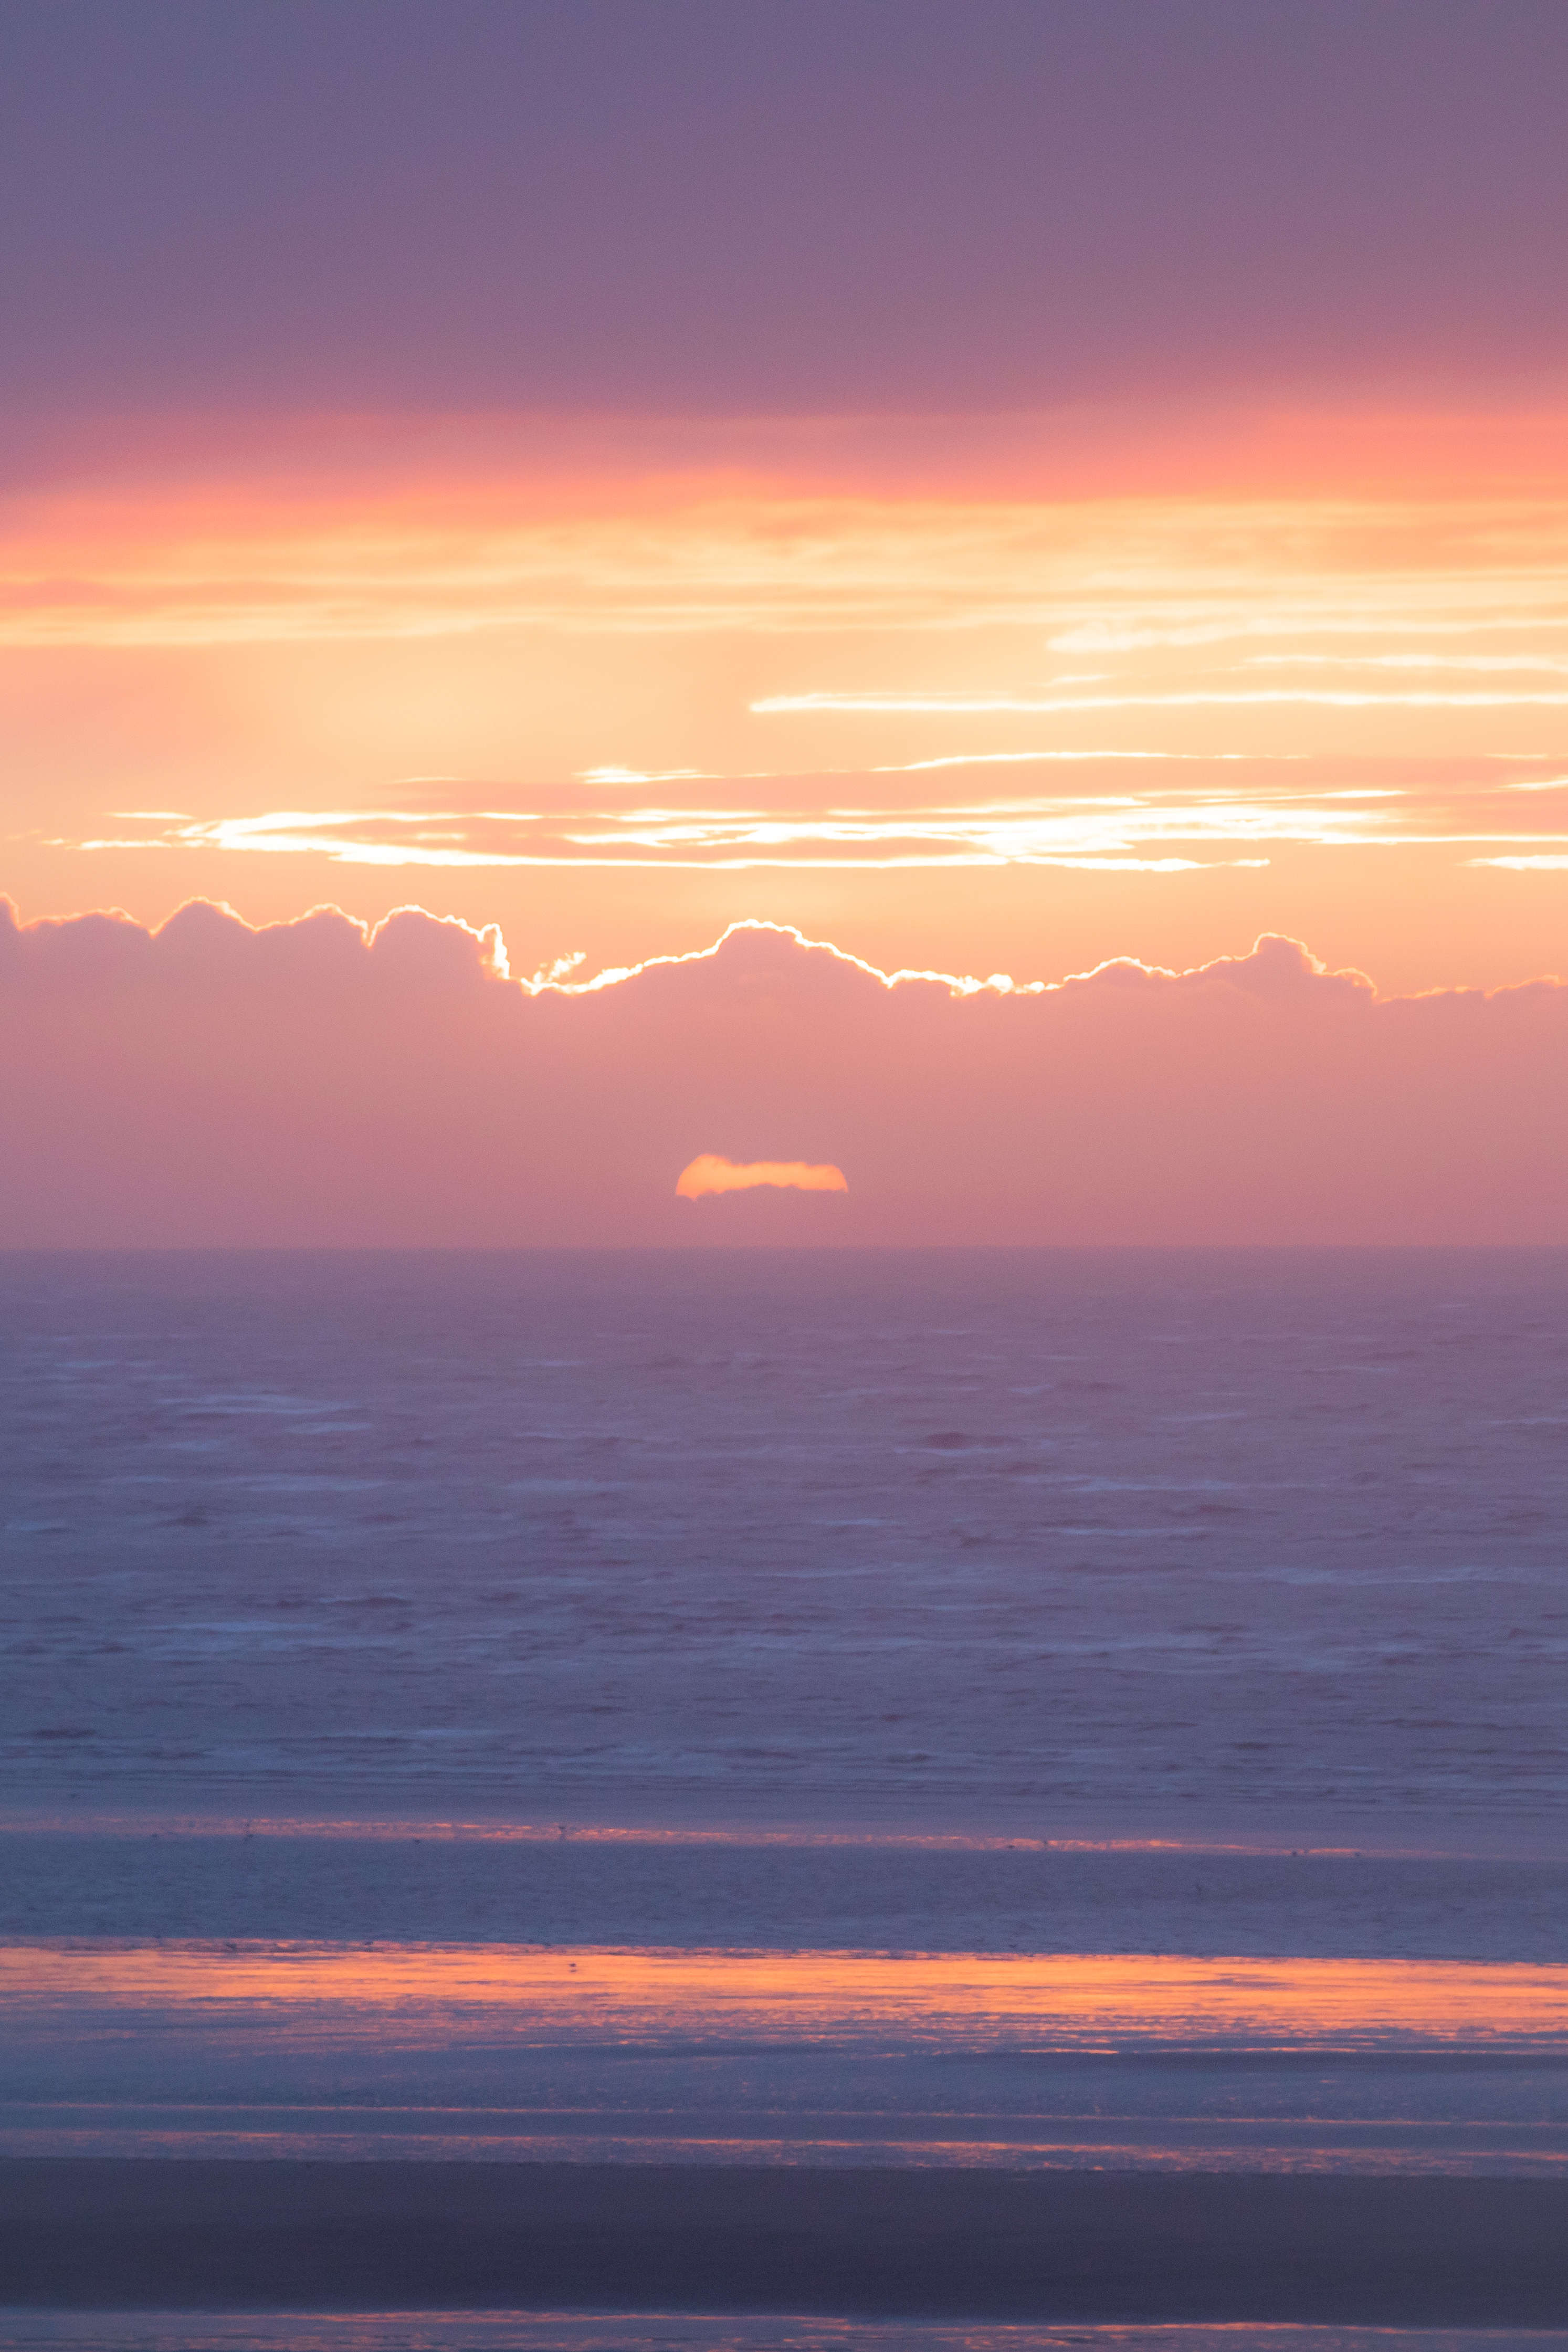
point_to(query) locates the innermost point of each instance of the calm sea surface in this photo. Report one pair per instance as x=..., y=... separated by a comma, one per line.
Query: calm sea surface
x=1098, y=1711
x=1170, y=1545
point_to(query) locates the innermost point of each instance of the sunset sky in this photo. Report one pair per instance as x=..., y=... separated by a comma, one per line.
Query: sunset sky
x=997, y=490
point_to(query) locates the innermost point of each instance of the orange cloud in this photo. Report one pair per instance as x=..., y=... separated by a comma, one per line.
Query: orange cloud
x=1151, y=532
x=710, y=1173
x=909, y=657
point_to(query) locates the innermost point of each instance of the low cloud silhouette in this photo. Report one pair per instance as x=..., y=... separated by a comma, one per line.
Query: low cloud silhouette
x=317, y=1083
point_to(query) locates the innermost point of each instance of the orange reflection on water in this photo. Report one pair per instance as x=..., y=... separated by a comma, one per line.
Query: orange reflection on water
x=1061, y=2001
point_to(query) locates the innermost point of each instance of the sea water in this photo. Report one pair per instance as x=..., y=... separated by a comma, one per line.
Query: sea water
x=374, y=1620
x=1256, y=1545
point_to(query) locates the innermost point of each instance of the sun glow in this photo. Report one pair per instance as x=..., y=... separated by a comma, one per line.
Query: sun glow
x=711, y=1173
x=769, y=671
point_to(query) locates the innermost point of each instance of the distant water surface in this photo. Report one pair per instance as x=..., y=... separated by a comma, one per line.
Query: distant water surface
x=1170, y=1544
x=532, y=2331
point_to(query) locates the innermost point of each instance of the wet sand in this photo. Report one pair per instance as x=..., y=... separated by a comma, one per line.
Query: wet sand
x=1050, y=2246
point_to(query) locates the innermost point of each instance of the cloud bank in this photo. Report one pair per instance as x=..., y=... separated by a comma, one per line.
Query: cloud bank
x=314, y=1083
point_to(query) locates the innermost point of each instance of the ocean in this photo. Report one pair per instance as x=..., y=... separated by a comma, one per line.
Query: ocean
x=746, y=1718
x=1253, y=1546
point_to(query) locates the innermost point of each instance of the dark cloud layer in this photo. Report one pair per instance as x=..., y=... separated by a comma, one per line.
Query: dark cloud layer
x=689, y=204
x=308, y=1084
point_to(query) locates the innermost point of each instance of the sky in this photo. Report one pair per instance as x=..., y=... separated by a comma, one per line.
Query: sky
x=997, y=493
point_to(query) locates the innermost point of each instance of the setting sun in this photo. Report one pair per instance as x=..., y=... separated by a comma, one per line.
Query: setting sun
x=711, y=1173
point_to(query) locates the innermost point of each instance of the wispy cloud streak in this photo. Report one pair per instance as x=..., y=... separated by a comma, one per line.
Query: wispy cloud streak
x=1329, y=697
x=1231, y=811
x=245, y=562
